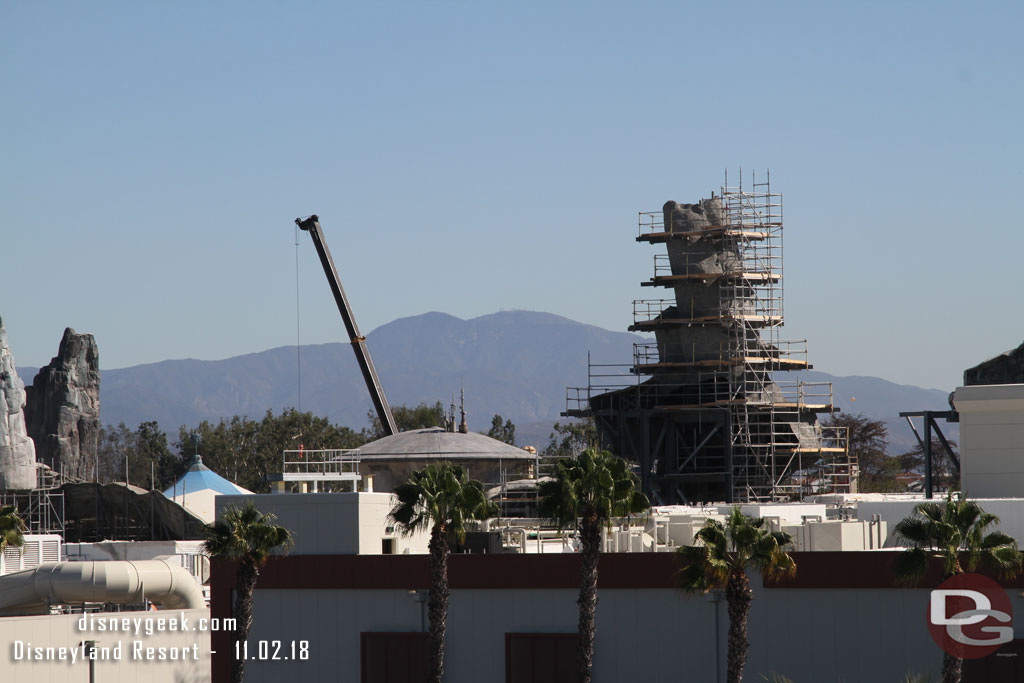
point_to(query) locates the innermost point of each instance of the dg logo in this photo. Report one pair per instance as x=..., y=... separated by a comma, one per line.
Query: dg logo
x=970, y=616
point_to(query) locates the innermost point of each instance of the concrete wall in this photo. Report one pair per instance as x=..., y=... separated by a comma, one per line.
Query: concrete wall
x=63, y=631
x=808, y=635
x=786, y=512
x=333, y=523
x=991, y=439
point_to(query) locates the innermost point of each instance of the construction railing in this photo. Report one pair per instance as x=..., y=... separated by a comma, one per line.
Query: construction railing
x=323, y=461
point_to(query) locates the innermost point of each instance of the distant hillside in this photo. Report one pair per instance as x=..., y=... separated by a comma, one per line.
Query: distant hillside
x=880, y=399
x=515, y=363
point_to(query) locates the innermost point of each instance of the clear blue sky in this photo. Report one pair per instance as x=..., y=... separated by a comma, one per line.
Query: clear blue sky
x=472, y=156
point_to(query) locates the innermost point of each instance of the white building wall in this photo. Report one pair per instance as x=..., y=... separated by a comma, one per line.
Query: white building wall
x=991, y=439
x=332, y=523
x=1010, y=512
x=844, y=635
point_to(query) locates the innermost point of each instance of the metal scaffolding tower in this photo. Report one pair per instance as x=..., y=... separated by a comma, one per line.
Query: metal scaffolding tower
x=700, y=409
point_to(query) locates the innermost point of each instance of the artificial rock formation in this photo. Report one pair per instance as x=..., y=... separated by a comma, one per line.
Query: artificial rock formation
x=1006, y=368
x=63, y=409
x=17, y=452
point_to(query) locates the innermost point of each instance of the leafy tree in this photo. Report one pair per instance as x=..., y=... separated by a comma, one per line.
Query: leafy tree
x=144, y=452
x=247, y=536
x=944, y=474
x=12, y=528
x=569, y=439
x=113, y=444
x=407, y=419
x=721, y=561
x=587, y=492
x=152, y=451
x=443, y=498
x=502, y=432
x=868, y=442
x=245, y=450
x=956, y=533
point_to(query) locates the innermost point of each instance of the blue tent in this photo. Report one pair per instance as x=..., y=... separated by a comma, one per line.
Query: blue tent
x=196, y=489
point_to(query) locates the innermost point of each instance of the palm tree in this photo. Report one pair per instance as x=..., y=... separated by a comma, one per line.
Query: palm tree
x=443, y=498
x=587, y=492
x=721, y=563
x=955, y=533
x=12, y=528
x=246, y=536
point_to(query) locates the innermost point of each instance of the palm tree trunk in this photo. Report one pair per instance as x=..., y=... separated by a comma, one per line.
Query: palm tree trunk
x=738, y=596
x=590, y=552
x=952, y=668
x=248, y=572
x=437, y=603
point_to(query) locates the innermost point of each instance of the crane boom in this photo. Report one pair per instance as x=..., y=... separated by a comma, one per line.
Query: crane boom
x=380, y=401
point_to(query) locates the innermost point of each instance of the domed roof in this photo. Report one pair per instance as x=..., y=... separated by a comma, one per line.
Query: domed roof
x=434, y=443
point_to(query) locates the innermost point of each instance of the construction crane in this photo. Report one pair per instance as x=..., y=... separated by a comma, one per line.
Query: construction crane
x=380, y=401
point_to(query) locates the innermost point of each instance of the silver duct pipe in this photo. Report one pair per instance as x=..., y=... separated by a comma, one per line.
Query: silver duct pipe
x=167, y=585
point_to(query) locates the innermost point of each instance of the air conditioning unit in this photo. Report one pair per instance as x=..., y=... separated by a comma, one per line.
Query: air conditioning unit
x=38, y=548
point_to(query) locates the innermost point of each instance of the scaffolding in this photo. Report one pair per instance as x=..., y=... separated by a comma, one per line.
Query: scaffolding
x=701, y=408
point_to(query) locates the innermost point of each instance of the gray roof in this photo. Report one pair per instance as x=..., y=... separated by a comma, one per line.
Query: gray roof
x=435, y=443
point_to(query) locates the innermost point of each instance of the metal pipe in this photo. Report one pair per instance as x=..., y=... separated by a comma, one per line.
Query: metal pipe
x=927, y=458
x=125, y=582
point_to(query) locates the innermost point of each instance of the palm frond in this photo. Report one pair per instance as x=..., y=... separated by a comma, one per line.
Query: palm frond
x=594, y=484
x=910, y=566
x=722, y=549
x=441, y=496
x=245, y=533
x=953, y=531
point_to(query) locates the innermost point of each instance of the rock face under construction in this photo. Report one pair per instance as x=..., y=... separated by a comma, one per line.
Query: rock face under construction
x=63, y=407
x=703, y=409
x=1006, y=368
x=17, y=452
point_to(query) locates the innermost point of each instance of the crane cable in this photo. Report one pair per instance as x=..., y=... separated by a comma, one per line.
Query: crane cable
x=298, y=339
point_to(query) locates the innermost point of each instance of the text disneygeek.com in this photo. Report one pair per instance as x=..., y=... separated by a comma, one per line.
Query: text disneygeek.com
x=92, y=647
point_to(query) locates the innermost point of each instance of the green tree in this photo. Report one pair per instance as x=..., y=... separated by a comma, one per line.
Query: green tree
x=247, y=536
x=12, y=528
x=144, y=452
x=587, y=492
x=944, y=474
x=569, y=439
x=407, y=419
x=868, y=443
x=721, y=561
x=443, y=498
x=245, y=450
x=957, y=534
x=154, y=457
x=505, y=432
x=113, y=444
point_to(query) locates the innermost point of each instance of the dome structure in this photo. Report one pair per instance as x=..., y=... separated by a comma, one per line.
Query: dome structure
x=198, y=487
x=392, y=459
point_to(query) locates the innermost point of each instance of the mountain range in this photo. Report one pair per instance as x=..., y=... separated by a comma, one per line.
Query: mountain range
x=513, y=363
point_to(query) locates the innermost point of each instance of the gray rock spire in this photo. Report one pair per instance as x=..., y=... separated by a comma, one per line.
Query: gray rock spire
x=17, y=452
x=63, y=408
